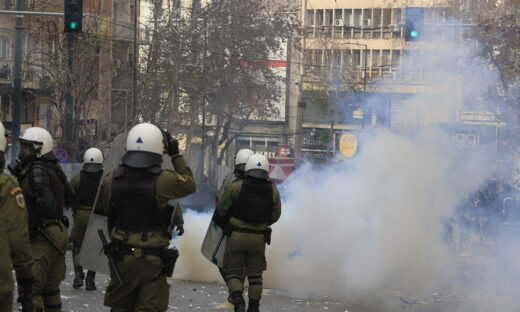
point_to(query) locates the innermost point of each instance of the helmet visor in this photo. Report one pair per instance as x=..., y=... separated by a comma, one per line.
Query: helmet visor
x=138, y=159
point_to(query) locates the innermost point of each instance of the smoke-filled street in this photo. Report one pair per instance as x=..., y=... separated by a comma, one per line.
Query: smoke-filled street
x=212, y=296
x=260, y=155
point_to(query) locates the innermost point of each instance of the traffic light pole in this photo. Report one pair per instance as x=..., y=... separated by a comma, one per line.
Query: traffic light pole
x=17, y=78
x=69, y=101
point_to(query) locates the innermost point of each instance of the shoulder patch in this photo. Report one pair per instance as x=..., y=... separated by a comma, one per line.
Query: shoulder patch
x=20, y=201
x=16, y=190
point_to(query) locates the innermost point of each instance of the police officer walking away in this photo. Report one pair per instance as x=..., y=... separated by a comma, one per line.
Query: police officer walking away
x=15, y=249
x=46, y=191
x=85, y=185
x=135, y=198
x=239, y=170
x=252, y=205
x=238, y=173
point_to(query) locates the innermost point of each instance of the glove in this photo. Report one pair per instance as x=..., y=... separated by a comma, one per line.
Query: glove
x=25, y=294
x=172, y=144
x=180, y=230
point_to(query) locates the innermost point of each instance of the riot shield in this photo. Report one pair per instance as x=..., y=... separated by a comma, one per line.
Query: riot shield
x=91, y=254
x=214, y=244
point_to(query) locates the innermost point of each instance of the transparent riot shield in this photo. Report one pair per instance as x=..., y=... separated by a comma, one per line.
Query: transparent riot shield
x=91, y=254
x=214, y=244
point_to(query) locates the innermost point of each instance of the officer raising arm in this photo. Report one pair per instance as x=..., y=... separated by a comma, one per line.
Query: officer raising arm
x=85, y=184
x=15, y=248
x=135, y=198
x=252, y=205
x=46, y=191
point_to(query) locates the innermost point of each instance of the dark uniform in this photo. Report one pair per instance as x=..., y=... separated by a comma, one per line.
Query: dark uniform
x=46, y=191
x=85, y=185
x=251, y=205
x=136, y=203
x=15, y=249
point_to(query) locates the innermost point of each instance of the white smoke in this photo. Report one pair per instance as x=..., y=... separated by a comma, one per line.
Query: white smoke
x=365, y=225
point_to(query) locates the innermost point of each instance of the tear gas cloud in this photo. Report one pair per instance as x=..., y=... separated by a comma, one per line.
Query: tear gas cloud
x=372, y=223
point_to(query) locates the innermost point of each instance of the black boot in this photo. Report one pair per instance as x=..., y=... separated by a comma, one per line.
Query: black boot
x=78, y=277
x=253, y=306
x=239, y=302
x=89, y=281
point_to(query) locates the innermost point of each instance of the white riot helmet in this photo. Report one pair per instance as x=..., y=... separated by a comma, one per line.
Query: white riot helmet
x=93, y=160
x=242, y=156
x=144, y=146
x=257, y=166
x=3, y=138
x=39, y=138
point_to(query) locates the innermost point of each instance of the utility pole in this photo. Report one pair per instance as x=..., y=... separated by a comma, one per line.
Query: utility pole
x=298, y=135
x=136, y=52
x=69, y=101
x=17, y=78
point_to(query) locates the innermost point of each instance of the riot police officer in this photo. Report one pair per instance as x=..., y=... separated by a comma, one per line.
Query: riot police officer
x=238, y=173
x=85, y=184
x=239, y=170
x=47, y=192
x=251, y=205
x=135, y=198
x=15, y=249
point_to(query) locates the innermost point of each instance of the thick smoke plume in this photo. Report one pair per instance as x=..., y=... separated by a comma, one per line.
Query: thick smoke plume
x=374, y=223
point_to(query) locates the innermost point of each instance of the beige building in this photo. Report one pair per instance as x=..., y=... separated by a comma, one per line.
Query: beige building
x=357, y=72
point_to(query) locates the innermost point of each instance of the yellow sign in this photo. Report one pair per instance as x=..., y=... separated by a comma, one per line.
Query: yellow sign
x=348, y=145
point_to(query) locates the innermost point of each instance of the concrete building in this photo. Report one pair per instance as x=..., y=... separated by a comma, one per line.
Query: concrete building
x=354, y=51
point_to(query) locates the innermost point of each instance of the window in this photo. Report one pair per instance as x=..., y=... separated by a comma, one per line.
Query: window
x=327, y=58
x=308, y=57
x=377, y=17
x=4, y=48
x=319, y=17
x=338, y=14
x=309, y=18
x=5, y=106
x=329, y=18
x=336, y=55
x=357, y=17
x=396, y=17
x=386, y=60
x=356, y=58
x=387, y=17
x=396, y=57
x=367, y=17
x=348, y=17
x=318, y=57
x=376, y=54
x=347, y=59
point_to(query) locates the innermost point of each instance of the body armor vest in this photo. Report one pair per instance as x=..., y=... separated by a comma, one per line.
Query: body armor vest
x=58, y=189
x=133, y=196
x=254, y=202
x=88, y=187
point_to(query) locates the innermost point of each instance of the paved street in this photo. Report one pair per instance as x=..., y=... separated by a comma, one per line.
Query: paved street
x=188, y=296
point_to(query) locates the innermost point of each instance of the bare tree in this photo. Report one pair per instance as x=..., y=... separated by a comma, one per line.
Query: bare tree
x=47, y=52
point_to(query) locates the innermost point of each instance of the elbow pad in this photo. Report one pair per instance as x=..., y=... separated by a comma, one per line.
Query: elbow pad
x=40, y=183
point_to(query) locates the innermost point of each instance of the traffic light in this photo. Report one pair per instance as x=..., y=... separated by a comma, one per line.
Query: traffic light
x=73, y=16
x=414, y=24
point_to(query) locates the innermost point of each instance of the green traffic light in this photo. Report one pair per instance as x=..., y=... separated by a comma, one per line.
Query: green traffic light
x=73, y=25
x=414, y=33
